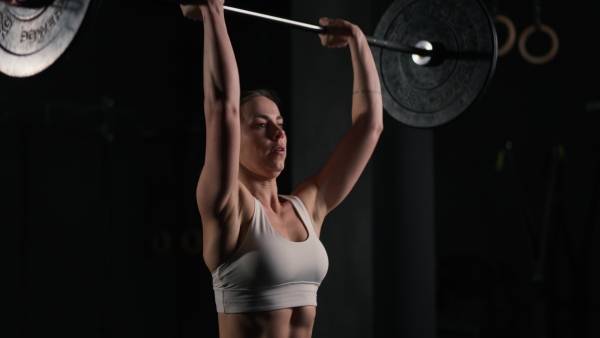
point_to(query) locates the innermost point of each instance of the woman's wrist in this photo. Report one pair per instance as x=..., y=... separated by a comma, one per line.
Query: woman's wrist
x=357, y=36
x=213, y=7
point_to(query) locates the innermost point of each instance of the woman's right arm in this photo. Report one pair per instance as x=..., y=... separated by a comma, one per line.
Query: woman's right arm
x=217, y=190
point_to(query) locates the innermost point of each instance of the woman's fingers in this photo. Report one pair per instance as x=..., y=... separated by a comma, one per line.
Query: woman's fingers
x=191, y=11
x=337, y=32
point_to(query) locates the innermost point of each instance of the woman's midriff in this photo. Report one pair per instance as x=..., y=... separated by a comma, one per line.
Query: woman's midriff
x=285, y=323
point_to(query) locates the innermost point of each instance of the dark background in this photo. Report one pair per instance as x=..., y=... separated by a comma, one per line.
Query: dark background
x=100, y=154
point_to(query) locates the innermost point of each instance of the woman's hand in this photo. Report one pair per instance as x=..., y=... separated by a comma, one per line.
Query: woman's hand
x=338, y=32
x=192, y=11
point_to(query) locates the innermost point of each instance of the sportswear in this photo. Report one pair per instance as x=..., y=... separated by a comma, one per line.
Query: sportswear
x=268, y=272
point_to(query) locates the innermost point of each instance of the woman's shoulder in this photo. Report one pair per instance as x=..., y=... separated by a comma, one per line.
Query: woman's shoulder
x=307, y=191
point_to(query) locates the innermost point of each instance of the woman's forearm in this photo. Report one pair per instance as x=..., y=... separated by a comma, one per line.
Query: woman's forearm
x=221, y=79
x=366, y=92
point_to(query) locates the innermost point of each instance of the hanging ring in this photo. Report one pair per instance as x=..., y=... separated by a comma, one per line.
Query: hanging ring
x=512, y=34
x=161, y=241
x=191, y=241
x=538, y=60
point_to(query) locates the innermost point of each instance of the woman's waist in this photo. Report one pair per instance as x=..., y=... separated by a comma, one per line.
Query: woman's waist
x=283, y=296
x=289, y=322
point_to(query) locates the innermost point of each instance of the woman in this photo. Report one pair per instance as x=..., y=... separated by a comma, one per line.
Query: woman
x=262, y=248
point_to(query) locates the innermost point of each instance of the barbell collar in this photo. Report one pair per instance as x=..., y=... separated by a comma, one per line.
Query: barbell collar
x=398, y=47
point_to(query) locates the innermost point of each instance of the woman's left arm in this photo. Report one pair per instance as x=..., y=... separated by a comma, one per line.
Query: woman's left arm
x=332, y=184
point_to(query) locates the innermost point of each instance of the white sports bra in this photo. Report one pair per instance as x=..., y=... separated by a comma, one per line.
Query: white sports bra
x=268, y=272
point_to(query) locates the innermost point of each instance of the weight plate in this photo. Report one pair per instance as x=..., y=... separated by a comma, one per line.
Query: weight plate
x=463, y=36
x=33, y=38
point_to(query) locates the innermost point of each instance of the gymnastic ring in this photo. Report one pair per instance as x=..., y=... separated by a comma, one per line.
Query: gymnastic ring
x=161, y=242
x=512, y=34
x=195, y=249
x=538, y=60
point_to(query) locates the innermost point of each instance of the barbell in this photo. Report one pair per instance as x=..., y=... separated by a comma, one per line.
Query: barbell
x=435, y=58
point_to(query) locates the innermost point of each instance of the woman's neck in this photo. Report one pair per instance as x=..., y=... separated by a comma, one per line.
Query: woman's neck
x=265, y=190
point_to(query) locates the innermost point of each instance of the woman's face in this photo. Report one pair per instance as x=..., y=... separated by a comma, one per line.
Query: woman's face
x=263, y=141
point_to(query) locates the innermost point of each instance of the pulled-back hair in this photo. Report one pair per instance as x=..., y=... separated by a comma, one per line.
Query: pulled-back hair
x=250, y=94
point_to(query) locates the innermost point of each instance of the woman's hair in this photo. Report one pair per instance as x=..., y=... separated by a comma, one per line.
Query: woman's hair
x=250, y=94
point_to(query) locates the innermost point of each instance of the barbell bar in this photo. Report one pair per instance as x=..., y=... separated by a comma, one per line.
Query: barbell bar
x=322, y=30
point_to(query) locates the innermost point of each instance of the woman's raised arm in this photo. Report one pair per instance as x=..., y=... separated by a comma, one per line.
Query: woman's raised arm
x=218, y=186
x=332, y=184
x=219, y=177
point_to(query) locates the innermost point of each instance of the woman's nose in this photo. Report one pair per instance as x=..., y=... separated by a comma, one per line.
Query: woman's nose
x=279, y=133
